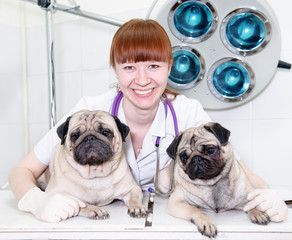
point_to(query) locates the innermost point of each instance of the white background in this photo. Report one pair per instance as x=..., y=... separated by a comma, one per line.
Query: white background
x=261, y=129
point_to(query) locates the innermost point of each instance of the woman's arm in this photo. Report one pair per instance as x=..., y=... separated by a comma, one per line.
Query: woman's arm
x=255, y=180
x=23, y=176
x=45, y=206
x=264, y=199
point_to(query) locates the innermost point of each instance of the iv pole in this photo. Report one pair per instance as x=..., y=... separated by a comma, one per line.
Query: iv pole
x=50, y=8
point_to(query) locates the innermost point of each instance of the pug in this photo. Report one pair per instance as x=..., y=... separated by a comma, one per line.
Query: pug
x=89, y=164
x=208, y=176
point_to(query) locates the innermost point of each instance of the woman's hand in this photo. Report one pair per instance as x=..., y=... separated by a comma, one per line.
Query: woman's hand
x=50, y=207
x=268, y=201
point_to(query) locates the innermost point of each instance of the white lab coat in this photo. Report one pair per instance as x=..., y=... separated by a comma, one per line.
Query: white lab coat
x=189, y=113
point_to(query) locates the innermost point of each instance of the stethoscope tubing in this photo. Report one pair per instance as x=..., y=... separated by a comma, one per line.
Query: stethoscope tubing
x=167, y=104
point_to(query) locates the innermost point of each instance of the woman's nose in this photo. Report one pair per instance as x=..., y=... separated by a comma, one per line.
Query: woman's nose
x=142, y=77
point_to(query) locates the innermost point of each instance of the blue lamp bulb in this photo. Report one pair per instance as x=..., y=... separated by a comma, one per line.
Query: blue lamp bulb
x=231, y=79
x=245, y=31
x=193, y=19
x=186, y=67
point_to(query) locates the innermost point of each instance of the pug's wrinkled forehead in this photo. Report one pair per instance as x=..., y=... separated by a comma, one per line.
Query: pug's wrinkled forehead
x=211, y=132
x=92, y=122
x=92, y=119
x=193, y=138
x=100, y=121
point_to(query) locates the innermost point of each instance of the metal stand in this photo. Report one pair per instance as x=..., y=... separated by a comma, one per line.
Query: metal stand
x=51, y=67
x=50, y=9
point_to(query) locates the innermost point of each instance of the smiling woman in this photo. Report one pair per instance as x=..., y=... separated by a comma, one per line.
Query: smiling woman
x=142, y=83
x=141, y=57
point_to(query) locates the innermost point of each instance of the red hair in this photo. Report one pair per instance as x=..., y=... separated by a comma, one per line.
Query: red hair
x=140, y=40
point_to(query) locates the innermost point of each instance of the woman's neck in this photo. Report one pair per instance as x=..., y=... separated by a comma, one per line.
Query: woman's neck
x=139, y=122
x=137, y=117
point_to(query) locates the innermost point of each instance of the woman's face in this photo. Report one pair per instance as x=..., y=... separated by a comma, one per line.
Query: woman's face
x=143, y=83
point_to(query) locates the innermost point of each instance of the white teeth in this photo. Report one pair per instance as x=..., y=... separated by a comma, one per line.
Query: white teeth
x=143, y=92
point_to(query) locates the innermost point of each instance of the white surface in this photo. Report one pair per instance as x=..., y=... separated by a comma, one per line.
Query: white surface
x=231, y=225
x=261, y=130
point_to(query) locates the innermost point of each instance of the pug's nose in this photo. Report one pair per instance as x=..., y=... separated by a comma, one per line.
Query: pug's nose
x=90, y=138
x=197, y=160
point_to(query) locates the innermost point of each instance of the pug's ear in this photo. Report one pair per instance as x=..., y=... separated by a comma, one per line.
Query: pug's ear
x=123, y=128
x=221, y=133
x=172, y=148
x=62, y=130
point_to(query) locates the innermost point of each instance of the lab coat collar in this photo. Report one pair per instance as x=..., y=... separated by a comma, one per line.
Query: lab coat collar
x=157, y=129
x=128, y=147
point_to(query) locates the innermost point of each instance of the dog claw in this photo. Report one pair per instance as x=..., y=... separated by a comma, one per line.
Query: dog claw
x=138, y=212
x=207, y=229
x=94, y=212
x=102, y=215
x=258, y=217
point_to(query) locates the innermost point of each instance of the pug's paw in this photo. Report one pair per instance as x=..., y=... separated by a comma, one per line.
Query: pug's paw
x=94, y=212
x=137, y=211
x=258, y=217
x=205, y=226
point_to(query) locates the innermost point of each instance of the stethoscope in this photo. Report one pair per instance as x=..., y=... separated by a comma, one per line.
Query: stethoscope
x=167, y=104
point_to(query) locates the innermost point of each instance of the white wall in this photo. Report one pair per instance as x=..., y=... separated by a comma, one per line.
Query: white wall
x=11, y=117
x=260, y=129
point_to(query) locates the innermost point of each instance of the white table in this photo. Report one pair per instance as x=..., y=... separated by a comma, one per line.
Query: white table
x=234, y=225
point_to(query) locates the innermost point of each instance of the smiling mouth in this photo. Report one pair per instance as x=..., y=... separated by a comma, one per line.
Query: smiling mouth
x=143, y=92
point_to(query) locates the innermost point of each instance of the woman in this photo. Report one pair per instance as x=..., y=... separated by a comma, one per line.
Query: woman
x=141, y=57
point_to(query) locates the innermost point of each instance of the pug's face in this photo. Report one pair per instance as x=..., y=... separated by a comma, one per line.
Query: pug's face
x=202, y=152
x=92, y=137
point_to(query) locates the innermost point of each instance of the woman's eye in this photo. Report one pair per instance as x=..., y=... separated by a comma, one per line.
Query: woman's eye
x=129, y=68
x=154, y=66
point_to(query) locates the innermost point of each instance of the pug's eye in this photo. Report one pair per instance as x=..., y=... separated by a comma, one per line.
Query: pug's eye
x=183, y=157
x=211, y=150
x=108, y=133
x=74, y=137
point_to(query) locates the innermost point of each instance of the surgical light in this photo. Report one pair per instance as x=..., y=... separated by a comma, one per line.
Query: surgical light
x=245, y=31
x=237, y=44
x=192, y=21
x=231, y=79
x=188, y=68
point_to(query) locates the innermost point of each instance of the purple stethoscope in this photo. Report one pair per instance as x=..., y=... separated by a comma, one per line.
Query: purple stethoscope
x=167, y=104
